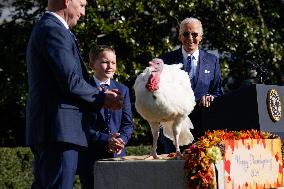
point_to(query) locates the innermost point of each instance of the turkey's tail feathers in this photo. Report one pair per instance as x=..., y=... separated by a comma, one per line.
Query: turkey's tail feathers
x=185, y=136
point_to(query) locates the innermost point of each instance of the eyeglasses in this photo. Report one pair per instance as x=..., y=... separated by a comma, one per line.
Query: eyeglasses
x=186, y=34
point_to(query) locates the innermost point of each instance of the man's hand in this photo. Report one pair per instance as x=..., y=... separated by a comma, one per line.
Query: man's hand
x=206, y=100
x=113, y=99
x=115, y=144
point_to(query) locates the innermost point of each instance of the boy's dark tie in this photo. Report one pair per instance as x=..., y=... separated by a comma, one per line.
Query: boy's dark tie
x=107, y=112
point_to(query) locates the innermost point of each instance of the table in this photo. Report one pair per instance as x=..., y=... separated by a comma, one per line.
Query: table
x=140, y=174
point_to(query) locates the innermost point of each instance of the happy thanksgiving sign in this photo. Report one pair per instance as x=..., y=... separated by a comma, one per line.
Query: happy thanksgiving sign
x=253, y=163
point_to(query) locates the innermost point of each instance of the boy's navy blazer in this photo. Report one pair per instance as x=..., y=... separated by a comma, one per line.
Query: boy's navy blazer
x=120, y=121
x=58, y=92
x=208, y=78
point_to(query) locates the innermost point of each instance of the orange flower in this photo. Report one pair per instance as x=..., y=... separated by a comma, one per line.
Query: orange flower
x=198, y=164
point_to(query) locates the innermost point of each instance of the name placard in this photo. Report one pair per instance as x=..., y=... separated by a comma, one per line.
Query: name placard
x=253, y=163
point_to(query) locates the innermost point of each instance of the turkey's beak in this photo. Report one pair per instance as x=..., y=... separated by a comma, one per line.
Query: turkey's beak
x=156, y=65
x=153, y=69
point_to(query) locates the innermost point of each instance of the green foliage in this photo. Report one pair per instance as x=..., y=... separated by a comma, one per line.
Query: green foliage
x=13, y=86
x=16, y=166
x=240, y=30
x=16, y=169
x=142, y=134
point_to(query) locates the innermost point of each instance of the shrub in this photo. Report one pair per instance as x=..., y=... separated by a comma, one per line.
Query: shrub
x=16, y=166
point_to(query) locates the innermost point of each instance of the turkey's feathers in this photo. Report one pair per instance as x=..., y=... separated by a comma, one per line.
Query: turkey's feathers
x=170, y=104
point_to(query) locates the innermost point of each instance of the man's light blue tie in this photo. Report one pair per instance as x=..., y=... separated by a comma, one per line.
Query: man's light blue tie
x=107, y=112
x=189, y=71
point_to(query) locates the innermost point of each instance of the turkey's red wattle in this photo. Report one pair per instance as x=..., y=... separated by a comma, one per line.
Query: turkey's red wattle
x=153, y=82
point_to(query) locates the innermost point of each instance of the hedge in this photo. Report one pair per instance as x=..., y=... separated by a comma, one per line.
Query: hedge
x=16, y=166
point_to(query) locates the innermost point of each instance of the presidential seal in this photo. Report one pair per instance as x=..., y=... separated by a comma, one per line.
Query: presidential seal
x=274, y=105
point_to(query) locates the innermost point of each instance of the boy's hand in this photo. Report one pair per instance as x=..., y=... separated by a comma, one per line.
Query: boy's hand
x=115, y=144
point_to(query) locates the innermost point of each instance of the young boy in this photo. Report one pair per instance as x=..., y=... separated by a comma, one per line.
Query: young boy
x=108, y=130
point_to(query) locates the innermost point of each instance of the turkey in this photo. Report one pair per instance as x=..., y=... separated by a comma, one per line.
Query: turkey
x=163, y=96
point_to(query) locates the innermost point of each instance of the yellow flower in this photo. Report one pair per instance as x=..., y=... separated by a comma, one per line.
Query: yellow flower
x=214, y=153
x=207, y=150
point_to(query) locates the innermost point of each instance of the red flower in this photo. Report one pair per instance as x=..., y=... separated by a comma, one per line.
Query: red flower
x=198, y=164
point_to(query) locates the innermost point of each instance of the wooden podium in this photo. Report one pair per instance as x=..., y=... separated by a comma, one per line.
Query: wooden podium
x=255, y=106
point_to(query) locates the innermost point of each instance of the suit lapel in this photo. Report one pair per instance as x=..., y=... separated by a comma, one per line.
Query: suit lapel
x=93, y=83
x=179, y=57
x=200, y=64
x=77, y=45
x=84, y=69
x=112, y=86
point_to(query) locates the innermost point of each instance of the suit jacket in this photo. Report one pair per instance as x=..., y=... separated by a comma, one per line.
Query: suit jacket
x=58, y=92
x=208, y=74
x=120, y=121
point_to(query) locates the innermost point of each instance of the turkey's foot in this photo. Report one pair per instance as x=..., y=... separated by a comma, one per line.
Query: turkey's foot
x=178, y=155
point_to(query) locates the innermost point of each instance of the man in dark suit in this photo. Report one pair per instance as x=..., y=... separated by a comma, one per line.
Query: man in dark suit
x=203, y=69
x=59, y=96
x=109, y=130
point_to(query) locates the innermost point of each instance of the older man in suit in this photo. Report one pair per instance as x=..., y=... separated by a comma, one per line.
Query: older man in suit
x=203, y=69
x=59, y=96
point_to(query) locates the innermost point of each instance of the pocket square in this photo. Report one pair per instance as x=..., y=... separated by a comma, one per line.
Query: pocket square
x=207, y=71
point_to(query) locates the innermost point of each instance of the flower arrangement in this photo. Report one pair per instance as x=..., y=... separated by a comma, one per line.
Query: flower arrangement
x=210, y=149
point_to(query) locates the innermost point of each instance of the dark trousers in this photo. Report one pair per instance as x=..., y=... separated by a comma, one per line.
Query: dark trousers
x=166, y=146
x=55, y=165
x=86, y=169
x=86, y=162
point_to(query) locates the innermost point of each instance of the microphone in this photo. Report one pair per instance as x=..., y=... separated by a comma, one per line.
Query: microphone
x=257, y=67
x=260, y=70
